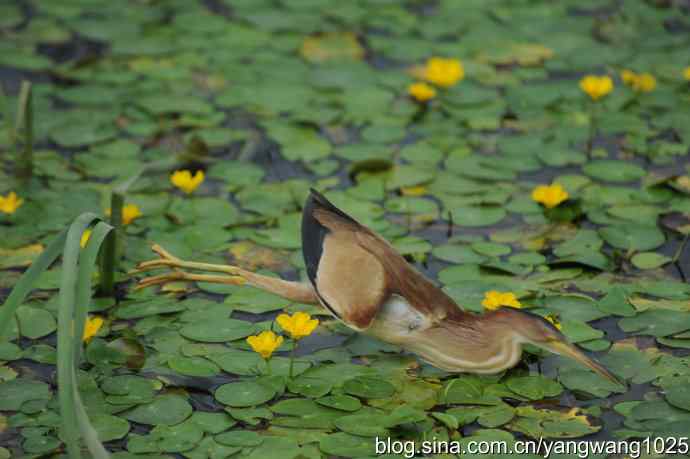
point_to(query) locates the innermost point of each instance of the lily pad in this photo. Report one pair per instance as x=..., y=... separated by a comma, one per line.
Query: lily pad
x=244, y=393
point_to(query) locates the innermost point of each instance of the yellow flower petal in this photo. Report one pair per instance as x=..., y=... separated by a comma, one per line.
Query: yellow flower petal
x=443, y=72
x=130, y=212
x=10, y=203
x=596, y=86
x=299, y=325
x=550, y=195
x=91, y=327
x=265, y=343
x=686, y=73
x=85, y=238
x=640, y=82
x=645, y=82
x=185, y=181
x=421, y=92
x=494, y=300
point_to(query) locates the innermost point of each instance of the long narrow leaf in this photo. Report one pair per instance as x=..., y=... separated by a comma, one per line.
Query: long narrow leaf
x=25, y=283
x=87, y=266
x=87, y=261
x=66, y=332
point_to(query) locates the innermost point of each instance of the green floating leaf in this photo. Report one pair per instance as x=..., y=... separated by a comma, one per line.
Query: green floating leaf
x=218, y=331
x=474, y=216
x=534, y=387
x=347, y=445
x=239, y=438
x=193, y=366
x=14, y=393
x=649, y=260
x=367, y=387
x=165, y=410
x=35, y=322
x=613, y=171
x=244, y=393
x=340, y=402
x=633, y=237
x=109, y=427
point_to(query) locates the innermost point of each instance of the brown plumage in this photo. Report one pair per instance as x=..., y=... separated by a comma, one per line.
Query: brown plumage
x=364, y=282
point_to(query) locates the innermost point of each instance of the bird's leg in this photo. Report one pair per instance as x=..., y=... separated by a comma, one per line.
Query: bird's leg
x=233, y=275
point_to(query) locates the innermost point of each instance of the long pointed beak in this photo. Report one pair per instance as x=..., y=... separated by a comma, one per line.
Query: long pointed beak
x=570, y=350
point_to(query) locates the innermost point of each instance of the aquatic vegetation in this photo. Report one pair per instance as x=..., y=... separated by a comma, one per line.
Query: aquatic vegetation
x=640, y=82
x=91, y=327
x=130, y=212
x=494, y=300
x=265, y=343
x=421, y=92
x=596, y=86
x=298, y=325
x=550, y=195
x=10, y=203
x=443, y=72
x=431, y=122
x=185, y=181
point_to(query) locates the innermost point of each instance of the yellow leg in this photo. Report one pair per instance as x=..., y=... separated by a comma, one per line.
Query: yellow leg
x=234, y=275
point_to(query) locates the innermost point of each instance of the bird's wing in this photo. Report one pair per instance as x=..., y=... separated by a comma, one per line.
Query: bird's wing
x=354, y=271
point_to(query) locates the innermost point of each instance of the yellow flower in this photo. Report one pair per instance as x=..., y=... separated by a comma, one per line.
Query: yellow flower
x=10, y=203
x=494, y=300
x=686, y=73
x=185, y=181
x=628, y=76
x=554, y=321
x=640, y=82
x=130, y=212
x=419, y=190
x=299, y=325
x=85, y=238
x=443, y=72
x=595, y=86
x=549, y=195
x=91, y=327
x=265, y=343
x=421, y=92
x=645, y=82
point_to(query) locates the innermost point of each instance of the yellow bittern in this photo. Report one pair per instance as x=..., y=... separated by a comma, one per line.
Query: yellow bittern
x=360, y=278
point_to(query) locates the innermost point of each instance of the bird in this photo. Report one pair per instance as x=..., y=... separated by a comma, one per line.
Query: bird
x=359, y=277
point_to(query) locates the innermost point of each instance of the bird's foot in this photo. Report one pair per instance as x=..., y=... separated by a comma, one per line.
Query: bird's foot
x=233, y=274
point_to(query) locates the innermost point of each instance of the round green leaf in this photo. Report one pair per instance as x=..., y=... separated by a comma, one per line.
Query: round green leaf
x=340, y=402
x=244, y=393
x=649, y=260
x=366, y=387
x=193, y=366
x=613, y=171
x=633, y=237
x=218, y=331
x=164, y=410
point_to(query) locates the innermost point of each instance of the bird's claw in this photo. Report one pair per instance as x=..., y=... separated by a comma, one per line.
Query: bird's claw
x=167, y=260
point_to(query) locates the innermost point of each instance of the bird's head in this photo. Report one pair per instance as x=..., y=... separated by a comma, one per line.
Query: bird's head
x=538, y=331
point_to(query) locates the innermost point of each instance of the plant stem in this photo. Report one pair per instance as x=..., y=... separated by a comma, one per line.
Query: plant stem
x=292, y=357
x=25, y=120
x=109, y=254
x=592, y=128
x=268, y=366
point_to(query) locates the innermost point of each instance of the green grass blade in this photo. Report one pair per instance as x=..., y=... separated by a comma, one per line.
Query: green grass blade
x=87, y=261
x=25, y=283
x=87, y=430
x=87, y=266
x=66, y=333
x=25, y=118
